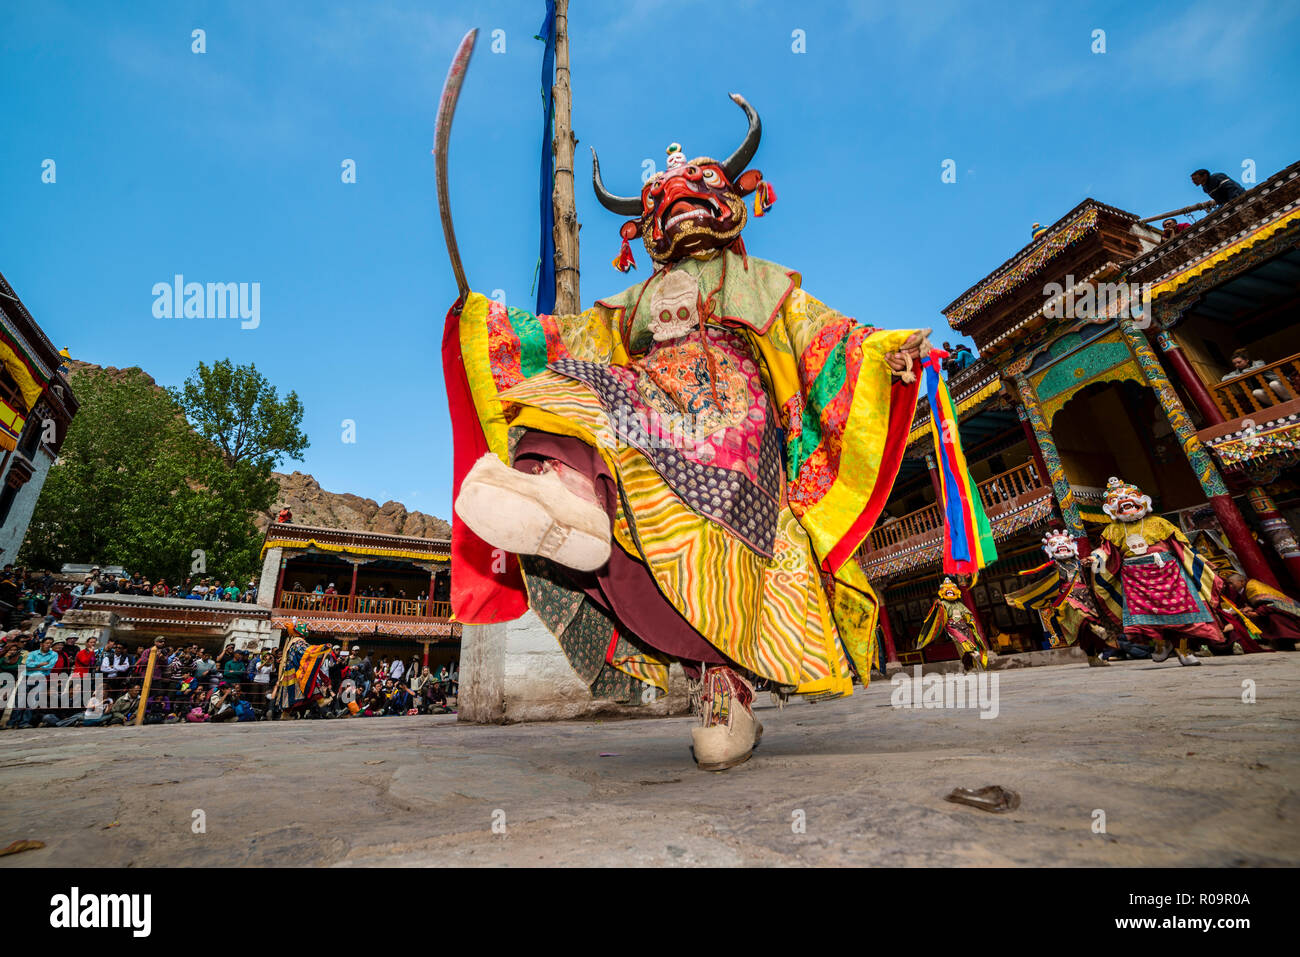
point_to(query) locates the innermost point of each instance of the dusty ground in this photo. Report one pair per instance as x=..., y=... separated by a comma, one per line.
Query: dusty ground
x=1186, y=773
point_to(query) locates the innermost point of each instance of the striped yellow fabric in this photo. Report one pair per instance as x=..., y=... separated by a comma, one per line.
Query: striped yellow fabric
x=1036, y=595
x=771, y=617
x=417, y=555
x=11, y=425
x=1209, y=262
x=782, y=349
x=18, y=367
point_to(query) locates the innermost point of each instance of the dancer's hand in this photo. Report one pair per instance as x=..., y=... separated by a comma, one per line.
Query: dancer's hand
x=914, y=348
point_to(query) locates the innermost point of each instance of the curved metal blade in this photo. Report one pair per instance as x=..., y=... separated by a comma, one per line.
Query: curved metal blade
x=441, y=136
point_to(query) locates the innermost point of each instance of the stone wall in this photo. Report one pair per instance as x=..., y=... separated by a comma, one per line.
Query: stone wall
x=14, y=531
x=270, y=575
x=515, y=671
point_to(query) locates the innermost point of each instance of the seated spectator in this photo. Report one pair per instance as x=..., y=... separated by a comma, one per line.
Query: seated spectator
x=198, y=712
x=399, y=699
x=221, y=705
x=243, y=710
x=125, y=707
x=43, y=659
x=63, y=602
x=115, y=664
x=204, y=665
x=1172, y=227
x=67, y=649
x=96, y=711
x=235, y=670
x=1242, y=365
x=86, y=659
x=1220, y=187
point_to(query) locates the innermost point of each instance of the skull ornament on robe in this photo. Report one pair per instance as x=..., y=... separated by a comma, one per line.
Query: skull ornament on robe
x=674, y=307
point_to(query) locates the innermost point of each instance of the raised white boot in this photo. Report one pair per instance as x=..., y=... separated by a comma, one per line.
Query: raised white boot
x=728, y=732
x=533, y=515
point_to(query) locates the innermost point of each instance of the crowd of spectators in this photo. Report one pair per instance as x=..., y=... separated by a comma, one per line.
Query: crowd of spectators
x=189, y=684
x=195, y=589
x=40, y=593
x=361, y=687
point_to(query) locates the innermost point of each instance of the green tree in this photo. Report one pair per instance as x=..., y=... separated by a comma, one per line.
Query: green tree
x=135, y=485
x=240, y=412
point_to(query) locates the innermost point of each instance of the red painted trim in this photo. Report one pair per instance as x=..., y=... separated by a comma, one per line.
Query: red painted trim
x=886, y=629
x=478, y=594
x=1243, y=542
x=279, y=579
x=1196, y=389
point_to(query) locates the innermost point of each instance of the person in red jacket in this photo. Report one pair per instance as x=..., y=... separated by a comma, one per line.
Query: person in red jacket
x=84, y=661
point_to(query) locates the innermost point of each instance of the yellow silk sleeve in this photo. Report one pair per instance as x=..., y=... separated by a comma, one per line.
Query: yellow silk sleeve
x=475, y=350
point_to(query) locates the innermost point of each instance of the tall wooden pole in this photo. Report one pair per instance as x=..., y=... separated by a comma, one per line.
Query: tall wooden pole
x=567, y=300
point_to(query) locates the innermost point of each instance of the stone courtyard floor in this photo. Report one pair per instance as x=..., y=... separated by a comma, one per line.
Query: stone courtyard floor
x=1185, y=772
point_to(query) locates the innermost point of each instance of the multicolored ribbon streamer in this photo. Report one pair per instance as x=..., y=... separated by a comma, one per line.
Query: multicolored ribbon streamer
x=968, y=536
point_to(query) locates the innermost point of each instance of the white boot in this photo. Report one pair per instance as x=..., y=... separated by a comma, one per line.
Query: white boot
x=729, y=732
x=533, y=515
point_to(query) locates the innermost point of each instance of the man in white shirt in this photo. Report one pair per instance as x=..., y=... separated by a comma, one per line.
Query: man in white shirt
x=398, y=670
x=115, y=663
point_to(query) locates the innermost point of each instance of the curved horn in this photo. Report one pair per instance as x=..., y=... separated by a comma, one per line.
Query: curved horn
x=735, y=163
x=623, y=205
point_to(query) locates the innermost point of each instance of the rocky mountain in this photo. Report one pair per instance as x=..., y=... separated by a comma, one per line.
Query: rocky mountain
x=312, y=505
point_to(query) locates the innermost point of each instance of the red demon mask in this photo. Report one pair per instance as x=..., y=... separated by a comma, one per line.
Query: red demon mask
x=693, y=207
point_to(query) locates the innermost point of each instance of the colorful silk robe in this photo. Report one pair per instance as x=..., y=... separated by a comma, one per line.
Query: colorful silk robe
x=749, y=523
x=304, y=674
x=1063, y=600
x=1152, y=580
x=1276, y=615
x=954, y=619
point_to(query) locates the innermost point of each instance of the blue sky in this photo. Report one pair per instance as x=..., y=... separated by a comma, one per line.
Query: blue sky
x=225, y=166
